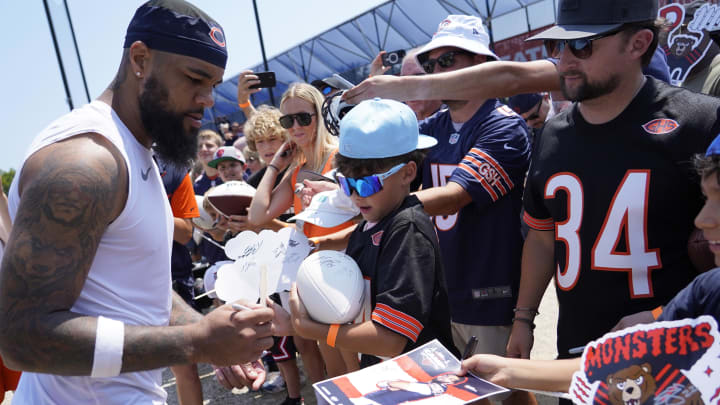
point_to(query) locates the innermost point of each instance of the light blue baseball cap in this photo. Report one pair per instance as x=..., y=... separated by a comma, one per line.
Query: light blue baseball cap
x=714, y=148
x=381, y=128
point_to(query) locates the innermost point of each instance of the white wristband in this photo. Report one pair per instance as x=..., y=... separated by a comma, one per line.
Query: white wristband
x=109, y=340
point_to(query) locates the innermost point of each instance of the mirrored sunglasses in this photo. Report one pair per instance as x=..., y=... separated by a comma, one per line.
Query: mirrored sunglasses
x=580, y=48
x=365, y=186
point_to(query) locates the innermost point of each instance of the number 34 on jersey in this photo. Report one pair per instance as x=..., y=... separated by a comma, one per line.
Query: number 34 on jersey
x=626, y=218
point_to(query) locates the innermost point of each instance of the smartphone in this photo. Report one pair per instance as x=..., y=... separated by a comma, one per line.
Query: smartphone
x=267, y=79
x=393, y=58
x=288, y=151
x=312, y=176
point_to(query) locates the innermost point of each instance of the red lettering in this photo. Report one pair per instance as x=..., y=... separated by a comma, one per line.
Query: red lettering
x=622, y=348
x=655, y=336
x=703, y=331
x=670, y=340
x=639, y=345
x=592, y=359
x=685, y=339
x=607, y=352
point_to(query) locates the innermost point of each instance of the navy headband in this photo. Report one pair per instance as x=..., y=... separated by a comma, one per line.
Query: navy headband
x=177, y=26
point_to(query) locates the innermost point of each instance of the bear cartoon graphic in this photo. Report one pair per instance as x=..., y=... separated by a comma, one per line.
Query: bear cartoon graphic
x=632, y=385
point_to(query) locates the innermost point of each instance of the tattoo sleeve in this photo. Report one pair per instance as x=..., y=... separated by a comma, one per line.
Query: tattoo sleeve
x=65, y=207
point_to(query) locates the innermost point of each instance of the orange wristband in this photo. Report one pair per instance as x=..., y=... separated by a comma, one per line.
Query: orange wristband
x=332, y=334
x=657, y=311
x=244, y=105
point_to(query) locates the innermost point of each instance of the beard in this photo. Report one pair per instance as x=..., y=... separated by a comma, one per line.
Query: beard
x=171, y=141
x=588, y=90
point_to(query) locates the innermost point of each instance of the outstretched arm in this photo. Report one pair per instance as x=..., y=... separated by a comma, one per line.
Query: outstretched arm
x=65, y=207
x=544, y=375
x=486, y=80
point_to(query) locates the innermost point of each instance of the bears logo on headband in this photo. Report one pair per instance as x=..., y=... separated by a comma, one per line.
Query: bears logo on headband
x=217, y=36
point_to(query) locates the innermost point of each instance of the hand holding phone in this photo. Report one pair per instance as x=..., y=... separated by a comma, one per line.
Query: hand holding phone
x=393, y=58
x=267, y=79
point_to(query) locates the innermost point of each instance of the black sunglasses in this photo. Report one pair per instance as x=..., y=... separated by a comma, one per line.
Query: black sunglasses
x=303, y=119
x=581, y=48
x=445, y=60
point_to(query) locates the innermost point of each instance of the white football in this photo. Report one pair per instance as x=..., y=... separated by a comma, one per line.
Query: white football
x=331, y=286
x=204, y=221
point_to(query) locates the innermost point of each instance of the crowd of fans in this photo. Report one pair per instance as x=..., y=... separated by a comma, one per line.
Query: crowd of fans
x=575, y=167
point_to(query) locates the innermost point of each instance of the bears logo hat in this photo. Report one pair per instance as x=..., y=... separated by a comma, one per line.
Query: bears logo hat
x=179, y=27
x=381, y=128
x=588, y=18
x=522, y=103
x=460, y=31
x=226, y=153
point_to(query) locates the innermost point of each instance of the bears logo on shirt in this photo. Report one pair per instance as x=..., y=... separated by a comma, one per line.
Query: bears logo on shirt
x=661, y=126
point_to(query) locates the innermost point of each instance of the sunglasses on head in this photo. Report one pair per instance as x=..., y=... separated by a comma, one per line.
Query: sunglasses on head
x=580, y=48
x=445, y=60
x=303, y=119
x=365, y=186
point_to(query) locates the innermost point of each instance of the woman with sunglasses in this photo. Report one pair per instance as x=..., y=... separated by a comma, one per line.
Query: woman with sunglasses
x=310, y=147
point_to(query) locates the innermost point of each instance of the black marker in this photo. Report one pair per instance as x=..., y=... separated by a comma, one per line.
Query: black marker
x=470, y=347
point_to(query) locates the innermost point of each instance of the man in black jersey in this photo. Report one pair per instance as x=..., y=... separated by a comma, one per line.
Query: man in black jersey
x=611, y=195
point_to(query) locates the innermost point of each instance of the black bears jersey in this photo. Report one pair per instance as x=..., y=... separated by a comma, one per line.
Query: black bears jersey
x=621, y=198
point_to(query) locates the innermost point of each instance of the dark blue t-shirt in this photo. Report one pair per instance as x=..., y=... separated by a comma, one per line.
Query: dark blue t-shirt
x=203, y=183
x=700, y=297
x=481, y=244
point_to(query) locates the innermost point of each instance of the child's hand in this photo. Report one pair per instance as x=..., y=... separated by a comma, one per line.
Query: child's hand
x=281, y=322
x=235, y=223
x=298, y=312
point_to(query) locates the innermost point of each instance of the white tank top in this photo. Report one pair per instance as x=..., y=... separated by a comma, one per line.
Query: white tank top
x=129, y=279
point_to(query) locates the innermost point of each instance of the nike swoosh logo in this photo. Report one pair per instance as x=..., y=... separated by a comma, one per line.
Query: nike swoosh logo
x=145, y=175
x=508, y=147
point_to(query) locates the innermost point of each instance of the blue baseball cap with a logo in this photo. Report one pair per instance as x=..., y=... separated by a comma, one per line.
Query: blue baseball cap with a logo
x=380, y=128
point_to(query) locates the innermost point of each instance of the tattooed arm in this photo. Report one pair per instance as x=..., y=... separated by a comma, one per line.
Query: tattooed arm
x=65, y=207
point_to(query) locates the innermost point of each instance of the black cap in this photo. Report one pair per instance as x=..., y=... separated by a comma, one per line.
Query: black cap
x=587, y=18
x=522, y=103
x=177, y=26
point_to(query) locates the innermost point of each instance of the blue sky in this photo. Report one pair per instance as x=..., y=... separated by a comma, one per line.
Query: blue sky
x=31, y=84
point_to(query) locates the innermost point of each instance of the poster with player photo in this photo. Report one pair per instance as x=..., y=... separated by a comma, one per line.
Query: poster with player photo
x=425, y=375
x=673, y=362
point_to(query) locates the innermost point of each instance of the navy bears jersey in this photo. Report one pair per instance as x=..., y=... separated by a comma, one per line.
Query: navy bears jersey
x=400, y=258
x=481, y=244
x=621, y=198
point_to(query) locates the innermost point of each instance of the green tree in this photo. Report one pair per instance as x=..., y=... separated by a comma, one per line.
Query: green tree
x=7, y=178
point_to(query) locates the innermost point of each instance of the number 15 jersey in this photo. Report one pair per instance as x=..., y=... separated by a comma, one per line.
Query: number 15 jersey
x=621, y=198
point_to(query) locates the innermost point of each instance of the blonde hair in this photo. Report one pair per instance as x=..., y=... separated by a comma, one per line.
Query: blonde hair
x=211, y=135
x=324, y=143
x=264, y=124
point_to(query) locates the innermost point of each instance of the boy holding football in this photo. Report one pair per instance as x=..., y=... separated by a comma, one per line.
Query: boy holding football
x=396, y=246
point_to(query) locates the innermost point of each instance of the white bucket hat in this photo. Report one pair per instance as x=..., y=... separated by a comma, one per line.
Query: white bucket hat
x=460, y=31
